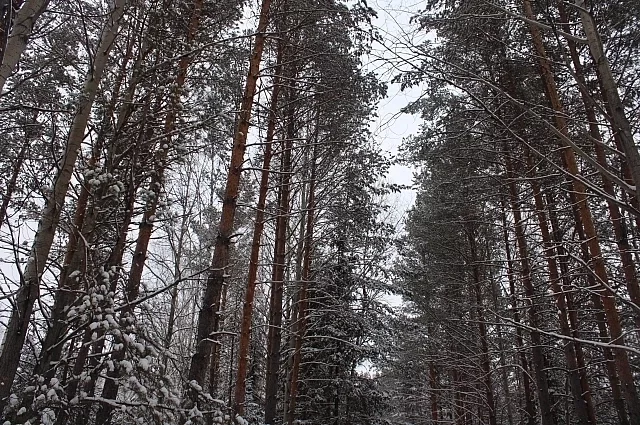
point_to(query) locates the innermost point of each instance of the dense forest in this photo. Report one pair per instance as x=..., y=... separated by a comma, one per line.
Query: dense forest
x=198, y=225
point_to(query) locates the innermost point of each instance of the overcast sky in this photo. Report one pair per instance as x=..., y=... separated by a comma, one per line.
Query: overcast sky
x=391, y=126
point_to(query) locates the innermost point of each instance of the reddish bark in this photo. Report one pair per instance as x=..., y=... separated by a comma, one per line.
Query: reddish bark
x=617, y=219
x=593, y=243
x=247, y=309
x=208, y=319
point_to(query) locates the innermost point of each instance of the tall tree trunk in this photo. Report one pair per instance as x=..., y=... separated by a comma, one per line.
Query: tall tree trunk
x=50, y=217
x=247, y=308
x=582, y=400
x=132, y=290
x=504, y=373
x=208, y=315
x=300, y=322
x=538, y=355
x=274, y=338
x=610, y=93
x=607, y=295
x=618, y=221
x=610, y=368
x=24, y=21
x=482, y=327
x=529, y=405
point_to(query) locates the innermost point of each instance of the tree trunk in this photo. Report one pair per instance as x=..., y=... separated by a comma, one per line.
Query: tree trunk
x=610, y=93
x=607, y=295
x=208, y=315
x=538, y=355
x=24, y=21
x=279, y=264
x=610, y=368
x=582, y=400
x=300, y=323
x=482, y=327
x=50, y=217
x=529, y=405
x=617, y=219
x=247, y=308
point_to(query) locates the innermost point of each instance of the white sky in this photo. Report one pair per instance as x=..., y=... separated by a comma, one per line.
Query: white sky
x=391, y=126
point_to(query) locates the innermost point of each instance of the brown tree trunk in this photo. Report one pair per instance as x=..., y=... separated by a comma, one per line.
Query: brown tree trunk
x=610, y=367
x=607, y=295
x=618, y=221
x=300, y=322
x=538, y=355
x=504, y=373
x=610, y=93
x=247, y=308
x=582, y=400
x=208, y=315
x=274, y=338
x=30, y=283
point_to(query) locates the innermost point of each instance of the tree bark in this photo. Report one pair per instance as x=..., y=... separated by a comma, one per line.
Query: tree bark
x=274, y=337
x=610, y=92
x=50, y=217
x=208, y=316
x=610, y=368
x=300, y=324
x=24, y=21
x=579, y=191
x=618, y=221
x=482, y=327
x=581, y=392
x=538, y=355
x=529, y=404
x=247, y=308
